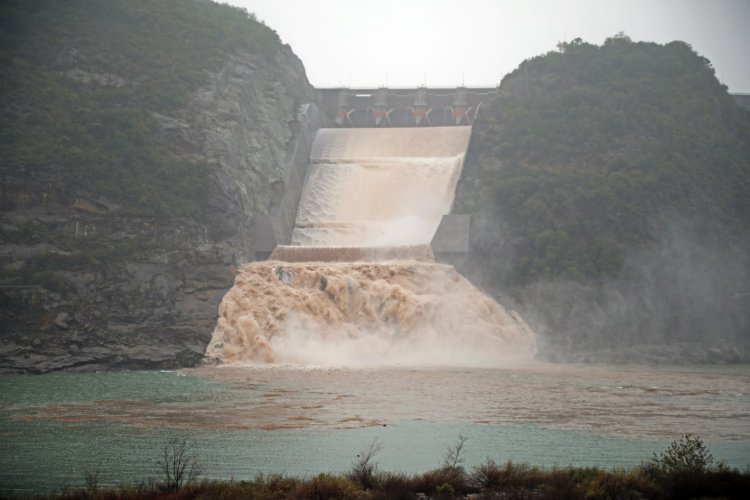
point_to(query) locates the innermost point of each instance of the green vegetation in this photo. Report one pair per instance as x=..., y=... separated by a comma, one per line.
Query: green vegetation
x=611, y=201
x=694, y=477
x=688, y=455
x=588, y=151
x=101, y=136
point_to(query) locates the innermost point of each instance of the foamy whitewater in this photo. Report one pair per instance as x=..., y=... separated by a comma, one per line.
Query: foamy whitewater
x=364, y=314
x=358, y=285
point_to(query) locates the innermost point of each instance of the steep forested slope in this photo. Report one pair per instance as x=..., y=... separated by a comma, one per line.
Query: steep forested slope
x=137, y=141
x=613, y=196
x=82, y=79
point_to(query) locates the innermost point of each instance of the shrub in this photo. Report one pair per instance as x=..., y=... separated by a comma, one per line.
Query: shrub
x=686, y=469
x=486, y=475
x=445, y=490
x=394, y=486
x=454, y=457
x=325, y=487
x=618, y=483
x=489, y=475
x=363, y=472
x=179, y=464
x=272, y=486
x=438, y=480
x=688, y=455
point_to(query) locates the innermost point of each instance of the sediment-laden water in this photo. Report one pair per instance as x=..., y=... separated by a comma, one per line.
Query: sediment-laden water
x=245, y=420
x=365, y=314
x=379, y=187
x=358, y=285
x=397, y=348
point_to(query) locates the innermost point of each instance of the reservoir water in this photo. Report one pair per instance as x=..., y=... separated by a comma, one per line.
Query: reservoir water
x=245, y=420
x=360, y=342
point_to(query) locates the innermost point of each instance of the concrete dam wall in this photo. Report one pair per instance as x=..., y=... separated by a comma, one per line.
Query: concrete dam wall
x=403, y=107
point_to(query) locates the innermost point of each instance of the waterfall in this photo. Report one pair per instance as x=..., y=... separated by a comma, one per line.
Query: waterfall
x=358, y=286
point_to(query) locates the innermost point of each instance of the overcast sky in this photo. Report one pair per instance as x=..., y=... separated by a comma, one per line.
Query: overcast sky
x=476, y=42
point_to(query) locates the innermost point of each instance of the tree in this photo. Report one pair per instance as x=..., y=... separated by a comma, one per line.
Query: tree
x=179, y=464
x=688, y=455
x=365, y=468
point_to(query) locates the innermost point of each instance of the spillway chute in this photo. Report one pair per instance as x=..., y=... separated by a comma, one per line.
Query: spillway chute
x=357, y=285
x=379, y=187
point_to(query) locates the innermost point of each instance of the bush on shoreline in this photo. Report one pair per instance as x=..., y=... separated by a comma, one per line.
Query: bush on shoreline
x=684, y=470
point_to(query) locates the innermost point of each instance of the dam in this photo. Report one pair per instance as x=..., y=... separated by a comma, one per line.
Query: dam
x=385, y=187
x=339, y=111
x=354, y=281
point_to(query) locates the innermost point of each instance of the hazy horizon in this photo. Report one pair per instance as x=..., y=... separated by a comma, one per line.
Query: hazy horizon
x=444, y=43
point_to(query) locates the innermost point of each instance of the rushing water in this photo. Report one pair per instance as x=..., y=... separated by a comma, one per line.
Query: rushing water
x=379, y=187
x=364, y=314
x=374, y=195
x=245, y=420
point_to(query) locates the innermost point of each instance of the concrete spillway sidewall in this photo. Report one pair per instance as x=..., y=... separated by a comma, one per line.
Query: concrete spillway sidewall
x=275, y=228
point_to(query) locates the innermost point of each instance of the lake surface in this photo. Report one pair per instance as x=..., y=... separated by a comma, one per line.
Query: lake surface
x=246, y=420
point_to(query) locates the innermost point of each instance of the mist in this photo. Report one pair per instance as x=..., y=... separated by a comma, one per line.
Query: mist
x=683, y=298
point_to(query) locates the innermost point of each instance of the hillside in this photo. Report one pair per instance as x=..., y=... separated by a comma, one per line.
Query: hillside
x=138, y=139
x=82, y=81
x=610, y=190
x=612, y=199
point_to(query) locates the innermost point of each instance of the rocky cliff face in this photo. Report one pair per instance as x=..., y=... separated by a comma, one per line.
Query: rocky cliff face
x=85, y=286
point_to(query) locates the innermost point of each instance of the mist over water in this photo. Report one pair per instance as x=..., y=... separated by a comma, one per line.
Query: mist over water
x=684, y=298
x=358, y=286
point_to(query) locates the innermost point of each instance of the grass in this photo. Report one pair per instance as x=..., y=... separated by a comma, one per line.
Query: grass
x=695, y=476
x=489, y=480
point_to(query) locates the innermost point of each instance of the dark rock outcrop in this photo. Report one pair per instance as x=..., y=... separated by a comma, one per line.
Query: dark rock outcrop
x=86, y=285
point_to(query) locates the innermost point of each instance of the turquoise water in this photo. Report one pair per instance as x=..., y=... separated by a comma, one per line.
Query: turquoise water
x=56, y=428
